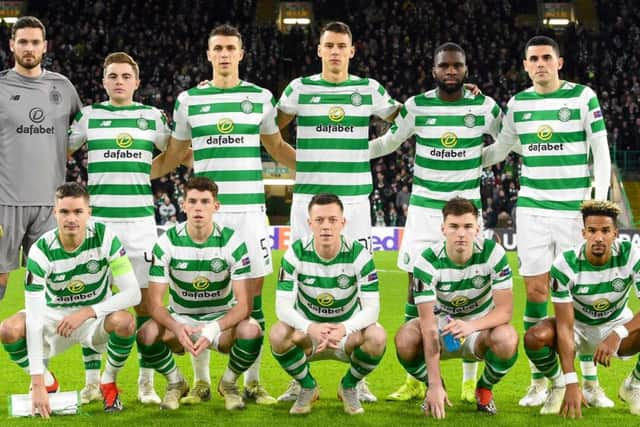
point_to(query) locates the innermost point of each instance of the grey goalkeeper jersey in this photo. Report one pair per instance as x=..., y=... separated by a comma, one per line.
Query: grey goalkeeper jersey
x=35, y=114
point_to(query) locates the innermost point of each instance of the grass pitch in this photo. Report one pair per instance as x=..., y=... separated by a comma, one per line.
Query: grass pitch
x=385, y=379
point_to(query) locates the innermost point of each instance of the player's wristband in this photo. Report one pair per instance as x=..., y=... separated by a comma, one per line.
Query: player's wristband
x=571, y=378
x=621, y=331
x=211, y=330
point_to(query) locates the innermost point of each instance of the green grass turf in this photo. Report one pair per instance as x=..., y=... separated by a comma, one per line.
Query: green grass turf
x=389, y=375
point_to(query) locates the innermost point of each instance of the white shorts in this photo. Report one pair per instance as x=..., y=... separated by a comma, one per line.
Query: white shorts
x=423, y=229
x=252, y=228
x=588, y=337
x=138, y=238
x=541, y=239
x=188, y=320
x=357, y=227
x=90, y=334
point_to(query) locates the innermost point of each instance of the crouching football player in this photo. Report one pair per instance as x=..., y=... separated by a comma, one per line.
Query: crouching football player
x=204, y=266
x=469, y=281
x=590, y=290
x=327, y=304
x=68, y=300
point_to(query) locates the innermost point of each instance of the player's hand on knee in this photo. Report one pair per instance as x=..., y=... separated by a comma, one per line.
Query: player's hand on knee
x=201, y=345
x=319, y=331
x=73, y=321
x=322, y=346
x=573, y=401
x=186, y=335
x=606, y=349
x=336, y=334
x=40, y=401
x=459, y=328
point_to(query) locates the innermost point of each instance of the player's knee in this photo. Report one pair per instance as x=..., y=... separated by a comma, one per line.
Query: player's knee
x=538, y=336
x=375, y=338
x=537, y=289
x=247, y=330
x=124, y=323
x=406, y=342
x=148, y=333
x=504, y=341
x=12, y=329
x=278, y=336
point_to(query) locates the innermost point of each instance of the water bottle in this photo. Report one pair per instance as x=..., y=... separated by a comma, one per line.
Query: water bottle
x=451, y=344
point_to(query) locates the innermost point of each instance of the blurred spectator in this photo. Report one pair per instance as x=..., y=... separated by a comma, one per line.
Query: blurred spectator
x=166, y=210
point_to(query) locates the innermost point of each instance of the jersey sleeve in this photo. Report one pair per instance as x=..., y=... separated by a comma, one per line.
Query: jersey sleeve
x=367, y=282
x=593, y=119
x=287, y=273
x=78, y=129
x=238, y=258
x=494, y=119
x=268, y=124
x=38, y=269
x=181, y=126
x=501, y=275
x=383, y=105
x=123, y=277
x=561, y=282
x=367, y=276
x=288, y=102
x=163, y=132
x=75, y=105
x=635, y=262
x=286, y=293
x=425, y=278
x=403, y=126
x=161, y=258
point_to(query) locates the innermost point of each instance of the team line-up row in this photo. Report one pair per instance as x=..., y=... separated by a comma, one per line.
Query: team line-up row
x=218, y=127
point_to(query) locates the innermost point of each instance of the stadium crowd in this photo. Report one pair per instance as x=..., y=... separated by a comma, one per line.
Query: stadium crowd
x=394, y=43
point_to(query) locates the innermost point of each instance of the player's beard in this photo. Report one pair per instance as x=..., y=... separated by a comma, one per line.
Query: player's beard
x=449, y=88
x=29, y=65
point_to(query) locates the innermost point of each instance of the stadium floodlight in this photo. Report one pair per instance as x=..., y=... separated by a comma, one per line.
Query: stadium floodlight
x=296, y=21
x=557, y=22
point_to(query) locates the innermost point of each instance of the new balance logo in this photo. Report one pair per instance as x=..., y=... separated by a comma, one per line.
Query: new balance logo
x=526, y=116
x=431, y=121
x=182, y=266
x=205, y=109
x=309, y=281
x=105, y=123
x=315, y=100
x=582, y=290
x=58, y=277
x=14, y=98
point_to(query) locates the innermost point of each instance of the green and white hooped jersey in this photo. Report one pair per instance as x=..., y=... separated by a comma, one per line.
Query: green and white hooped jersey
x=199, y=275
x=224, y=126
x=120, y=143
x=553, y=130
x=461, y=291
x=599, y=293
x=449, y=145
x=74, y=279
x=327, y=291
x=332, y=147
